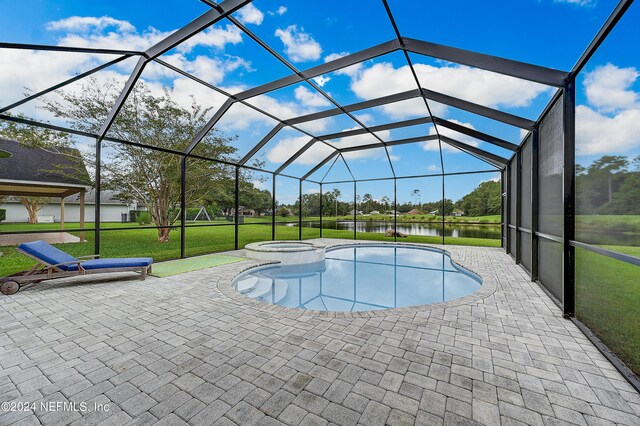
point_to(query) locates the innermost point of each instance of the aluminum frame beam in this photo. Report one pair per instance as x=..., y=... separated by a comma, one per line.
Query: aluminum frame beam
x=319, y=165
x=494, y=159
x=521, y=70
x=476, y=134
x=69, y=49
x=192, y=28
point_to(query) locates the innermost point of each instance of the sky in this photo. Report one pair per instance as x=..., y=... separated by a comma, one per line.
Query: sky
x=550, y=33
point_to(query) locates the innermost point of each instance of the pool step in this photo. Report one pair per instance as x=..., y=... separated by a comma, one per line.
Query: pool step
x=260, y=288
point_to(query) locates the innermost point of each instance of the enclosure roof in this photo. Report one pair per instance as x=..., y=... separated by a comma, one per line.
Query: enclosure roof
x=346, y=141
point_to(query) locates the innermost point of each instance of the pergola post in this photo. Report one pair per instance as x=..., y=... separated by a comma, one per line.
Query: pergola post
x=236, y=208
x=183, y=207
x=355, y=209
x=300, y=211
x=82, y=203
x=62, y=212
x=273, y=207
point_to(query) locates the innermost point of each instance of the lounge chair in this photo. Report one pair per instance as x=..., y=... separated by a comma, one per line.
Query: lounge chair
x=54, y=263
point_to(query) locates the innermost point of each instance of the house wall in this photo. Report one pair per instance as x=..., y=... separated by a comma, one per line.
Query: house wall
x=108, y=212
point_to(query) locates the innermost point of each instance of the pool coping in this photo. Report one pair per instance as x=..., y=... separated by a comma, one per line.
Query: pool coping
x=488, y=288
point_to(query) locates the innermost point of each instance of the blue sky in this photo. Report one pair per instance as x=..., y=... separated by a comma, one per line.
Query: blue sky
x=551, y=33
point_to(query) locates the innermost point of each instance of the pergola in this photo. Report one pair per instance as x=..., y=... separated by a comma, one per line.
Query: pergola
x=538, y=178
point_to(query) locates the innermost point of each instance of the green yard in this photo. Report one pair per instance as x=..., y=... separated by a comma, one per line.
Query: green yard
x=608, y=301
x=132, y=241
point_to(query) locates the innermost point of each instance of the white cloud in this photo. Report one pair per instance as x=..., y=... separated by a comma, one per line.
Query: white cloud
x=321, y=80
x=608, y=88
x=610, y=124
x=279, y=11
x=433, y=168
x=299, y=46
x=88, y=23
x=434, y=145
x=250, y=14
x=285, y=148
x=472, y=84
x=351, y=70
x=597, y=133
x=585, y=3
x=309, y=98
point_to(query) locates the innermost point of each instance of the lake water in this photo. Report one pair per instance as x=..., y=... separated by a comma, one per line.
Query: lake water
x=489, y=231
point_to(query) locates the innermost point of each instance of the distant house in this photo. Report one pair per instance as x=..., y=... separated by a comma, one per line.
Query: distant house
x=414, y=211
x=111, y=208
x=352, y=212
x=457, y=213
x=374, y=212
x=434, y=212
x=60, y=176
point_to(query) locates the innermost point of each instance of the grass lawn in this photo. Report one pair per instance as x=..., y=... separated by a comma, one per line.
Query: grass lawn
x=199, y=240
x=608, y=301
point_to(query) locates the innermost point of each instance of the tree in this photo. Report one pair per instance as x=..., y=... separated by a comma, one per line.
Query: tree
x=415, y=194
x=366, y=200
x=33, y=205
x=484, y=200
x=385, y=201
x=606, y=167
x=149, y=176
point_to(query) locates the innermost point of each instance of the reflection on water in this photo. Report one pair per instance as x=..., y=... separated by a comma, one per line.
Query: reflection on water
x=489, y=231
x=361, y=278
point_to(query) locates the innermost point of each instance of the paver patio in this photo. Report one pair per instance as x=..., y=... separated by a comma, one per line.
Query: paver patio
x=179, y=350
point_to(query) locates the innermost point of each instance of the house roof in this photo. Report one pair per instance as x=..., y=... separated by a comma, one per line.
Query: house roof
x=36, y=172
x=39, y=165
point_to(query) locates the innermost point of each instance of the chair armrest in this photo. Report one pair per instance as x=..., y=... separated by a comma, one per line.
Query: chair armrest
x=73, y=262
x=89, y=256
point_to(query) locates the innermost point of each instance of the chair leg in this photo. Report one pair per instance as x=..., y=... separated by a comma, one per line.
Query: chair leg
x=143, y=274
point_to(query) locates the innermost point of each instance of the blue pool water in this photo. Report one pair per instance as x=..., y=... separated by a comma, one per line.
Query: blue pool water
x=361, y=278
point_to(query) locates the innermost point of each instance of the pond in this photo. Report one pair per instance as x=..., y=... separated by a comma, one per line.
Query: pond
x=488, y=231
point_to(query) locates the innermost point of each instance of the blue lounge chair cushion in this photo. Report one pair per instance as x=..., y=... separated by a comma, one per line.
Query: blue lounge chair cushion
x=48, y=254
x=115, y=263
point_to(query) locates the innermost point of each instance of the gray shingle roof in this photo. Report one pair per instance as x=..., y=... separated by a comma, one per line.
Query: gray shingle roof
x=35, y=164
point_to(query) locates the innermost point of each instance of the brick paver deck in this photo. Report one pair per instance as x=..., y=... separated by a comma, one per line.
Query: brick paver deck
x=178, y=350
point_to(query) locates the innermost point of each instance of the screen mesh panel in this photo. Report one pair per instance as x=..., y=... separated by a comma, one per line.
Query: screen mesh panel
x=551, y=159
x=550, y=255
x=525, y=250
x=525, y=180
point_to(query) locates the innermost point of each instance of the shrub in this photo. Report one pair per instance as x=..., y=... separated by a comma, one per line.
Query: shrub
x=143, y=218
x=3, y=214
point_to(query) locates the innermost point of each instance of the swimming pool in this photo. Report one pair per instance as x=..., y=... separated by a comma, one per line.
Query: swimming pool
x=361, y=278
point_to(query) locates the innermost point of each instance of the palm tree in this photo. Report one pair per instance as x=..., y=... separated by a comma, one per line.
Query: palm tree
x=385, y=200
x=366, y=199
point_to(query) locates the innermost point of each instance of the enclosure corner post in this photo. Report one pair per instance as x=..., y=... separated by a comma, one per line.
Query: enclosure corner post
x=568, y=189
x=96, y=211
x=321, y=210
x=236, y=208
x=535, y=167
x=273, y=207
x=355, y=209
x=443, y=207
x=183, y=206
x=518, y=195
x=395, y=209
x=300, y=211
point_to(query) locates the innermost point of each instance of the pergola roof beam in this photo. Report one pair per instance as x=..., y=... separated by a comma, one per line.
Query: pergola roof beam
x=521, y=70
x=476, y=134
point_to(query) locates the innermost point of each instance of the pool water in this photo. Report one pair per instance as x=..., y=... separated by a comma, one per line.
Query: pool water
x=361, y=278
